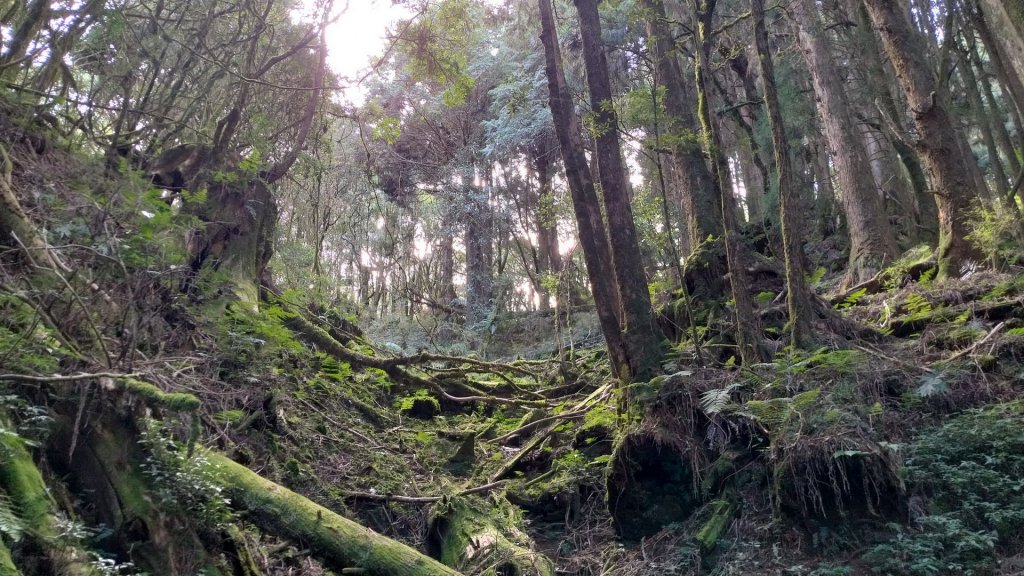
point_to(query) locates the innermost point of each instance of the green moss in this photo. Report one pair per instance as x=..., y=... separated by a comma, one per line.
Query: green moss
x=475, y=537
x=711, y=532
x=7, y=567
x=174, y=401
x=1006, y=289
x=233, y=417
x=895, y=274
x=21, y=480
x=339, y=541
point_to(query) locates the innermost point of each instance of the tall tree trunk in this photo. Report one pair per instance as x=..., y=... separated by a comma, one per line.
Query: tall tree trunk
x=755, y=172
x=939, y=143
x=689, y=168
x=1008, y=76
x=1007, y=19
x=995, y=111
x=923, y=225
x=642, y=340
x=824, y=193
x=445, y=289
x=798, y=297
x=752, y=181
x=37, y=14
x=747, y=325
x=872, y=242
x=590, y=225
x=984, y=124
x=549, y=259
x=479, y=253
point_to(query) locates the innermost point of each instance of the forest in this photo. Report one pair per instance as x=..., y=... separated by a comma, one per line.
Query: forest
x=537, y=288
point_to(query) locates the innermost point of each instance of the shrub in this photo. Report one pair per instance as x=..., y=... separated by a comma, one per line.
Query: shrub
x=972, y=470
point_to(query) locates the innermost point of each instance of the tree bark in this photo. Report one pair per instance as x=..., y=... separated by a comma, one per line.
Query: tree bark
x=996, y=112
x=1007, y=16
x=824, y=192
x=549, y=259
x=923, y=226
x=939, y=142
x=798, y=297
x=642, y=341
x=590, y=225
x=1008, y=76
x=747, y=325
x=465, y=537
x=984, y=124
x=22, y=483
x=872, y=242
x=340, y=542
x=37, y=14
x=479, y=252
x=689, y=168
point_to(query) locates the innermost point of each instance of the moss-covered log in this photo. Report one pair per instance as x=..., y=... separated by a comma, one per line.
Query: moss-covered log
x=106, y=469
x=338, y=541
x=23, y=484
x=466, y=534
x=7, y=567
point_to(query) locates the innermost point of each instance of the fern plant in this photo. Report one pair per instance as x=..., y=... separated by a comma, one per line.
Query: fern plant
x=851, y=300
x=11, y=525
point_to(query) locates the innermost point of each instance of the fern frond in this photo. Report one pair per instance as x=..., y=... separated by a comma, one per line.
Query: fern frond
x=10, y=524
x=716, y=400
x=804, y=400
x=771, y=413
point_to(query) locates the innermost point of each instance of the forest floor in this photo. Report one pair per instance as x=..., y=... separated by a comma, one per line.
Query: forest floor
x=877, y=456
x=898, y=453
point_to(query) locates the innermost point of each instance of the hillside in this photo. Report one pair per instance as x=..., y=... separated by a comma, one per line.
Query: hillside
x=578, y=290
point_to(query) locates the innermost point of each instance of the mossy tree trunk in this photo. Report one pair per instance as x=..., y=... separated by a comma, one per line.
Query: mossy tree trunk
x=106, y=467
x=24, y=486
x=747, y=326
x=939, y=142
x=798, y=295
x=872, y=241
x=689, y=170
x=467, y=536
x=637, y=320
x=586, y=206
x=340, y=542
x=7, y=567
x=1006, y=17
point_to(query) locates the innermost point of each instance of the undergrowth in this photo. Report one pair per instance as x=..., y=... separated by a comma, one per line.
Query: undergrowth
x=970, y=473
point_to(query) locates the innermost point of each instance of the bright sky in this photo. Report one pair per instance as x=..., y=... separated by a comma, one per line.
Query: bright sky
x=358, y=38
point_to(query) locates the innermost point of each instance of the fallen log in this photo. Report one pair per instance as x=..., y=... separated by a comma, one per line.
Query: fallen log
x=23, y=484
x=338, y=541
x=7, y=567
x=465, y=533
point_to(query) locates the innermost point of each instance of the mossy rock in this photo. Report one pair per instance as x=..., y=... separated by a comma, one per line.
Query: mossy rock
x=421, y=407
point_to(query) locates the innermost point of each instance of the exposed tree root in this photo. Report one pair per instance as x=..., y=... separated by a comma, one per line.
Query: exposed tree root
x=320, y=338
x=596, y=396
